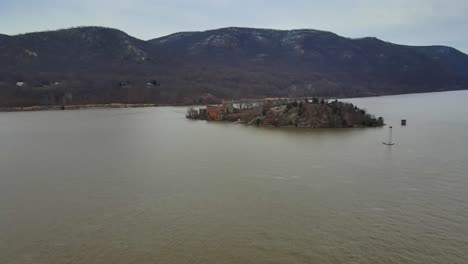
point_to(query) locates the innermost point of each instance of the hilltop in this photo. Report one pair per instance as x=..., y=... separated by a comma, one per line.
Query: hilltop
x=87, y=65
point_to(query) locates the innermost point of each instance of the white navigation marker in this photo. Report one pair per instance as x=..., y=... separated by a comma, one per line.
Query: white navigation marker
x=390, y=139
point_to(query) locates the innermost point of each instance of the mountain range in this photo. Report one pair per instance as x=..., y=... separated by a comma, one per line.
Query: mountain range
x=103, y=65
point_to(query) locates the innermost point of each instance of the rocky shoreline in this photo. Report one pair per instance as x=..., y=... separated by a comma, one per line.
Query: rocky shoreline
x=306, y=113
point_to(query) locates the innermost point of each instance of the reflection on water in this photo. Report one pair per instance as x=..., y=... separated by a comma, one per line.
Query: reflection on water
x=149, y=186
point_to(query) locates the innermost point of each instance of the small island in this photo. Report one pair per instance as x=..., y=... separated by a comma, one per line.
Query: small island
x=305, y=113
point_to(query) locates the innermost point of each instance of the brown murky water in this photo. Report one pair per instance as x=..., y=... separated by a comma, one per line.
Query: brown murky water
x=149, y=186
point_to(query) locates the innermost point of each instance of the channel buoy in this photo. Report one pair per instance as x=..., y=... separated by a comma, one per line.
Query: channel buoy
x=389, y=141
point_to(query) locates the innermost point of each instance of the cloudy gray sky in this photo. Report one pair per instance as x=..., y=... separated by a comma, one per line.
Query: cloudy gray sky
x=415, y=22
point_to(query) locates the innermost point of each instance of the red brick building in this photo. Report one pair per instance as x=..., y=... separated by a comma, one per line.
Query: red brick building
x=215, y=112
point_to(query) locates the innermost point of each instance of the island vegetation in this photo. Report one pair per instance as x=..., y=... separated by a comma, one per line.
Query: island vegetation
x=307, y=113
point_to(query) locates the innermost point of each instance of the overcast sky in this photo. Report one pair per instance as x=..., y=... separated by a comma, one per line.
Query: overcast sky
x=415, y=22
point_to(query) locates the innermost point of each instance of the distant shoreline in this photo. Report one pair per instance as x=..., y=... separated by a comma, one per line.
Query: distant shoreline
x=125, y=105
x=73, y=107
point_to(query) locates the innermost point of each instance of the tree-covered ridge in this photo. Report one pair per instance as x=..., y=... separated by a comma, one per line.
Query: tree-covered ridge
x=102, y=65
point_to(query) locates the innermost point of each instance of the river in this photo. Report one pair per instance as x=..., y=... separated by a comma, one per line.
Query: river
x=146, y=185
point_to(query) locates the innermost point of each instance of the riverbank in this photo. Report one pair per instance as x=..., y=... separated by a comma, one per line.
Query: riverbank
x=72, y=107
